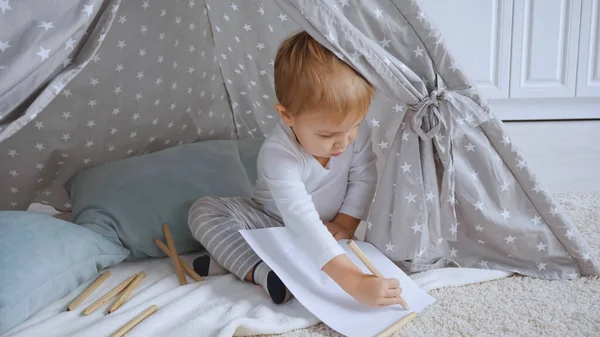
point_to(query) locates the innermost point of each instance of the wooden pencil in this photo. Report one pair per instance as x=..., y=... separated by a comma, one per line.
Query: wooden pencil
x=90, y=289
x=116, y=290
x=135, y=321
x=130, y=288
x=174, y=256
x=189, y=270
x=359, y=253
x=398, y=325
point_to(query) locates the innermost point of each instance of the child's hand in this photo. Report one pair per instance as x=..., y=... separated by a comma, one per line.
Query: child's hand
x=338, y=231
x=364, y=288
x=377, y=291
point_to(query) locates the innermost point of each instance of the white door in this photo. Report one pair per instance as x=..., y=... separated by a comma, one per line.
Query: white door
x=588, y=77
x=545, y=47
x=478, y=35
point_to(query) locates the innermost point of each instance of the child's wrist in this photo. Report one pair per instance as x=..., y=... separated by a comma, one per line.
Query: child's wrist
x=344, y=272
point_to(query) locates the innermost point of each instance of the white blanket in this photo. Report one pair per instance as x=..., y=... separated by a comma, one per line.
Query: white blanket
x=219, y=306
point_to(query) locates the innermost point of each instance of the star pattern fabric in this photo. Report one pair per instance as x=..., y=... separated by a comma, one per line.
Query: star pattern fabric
x=149, y=80
x=51, y=41
x=452, y=189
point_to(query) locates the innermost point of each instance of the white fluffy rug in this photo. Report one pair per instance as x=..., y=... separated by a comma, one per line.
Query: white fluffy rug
x=515, y=306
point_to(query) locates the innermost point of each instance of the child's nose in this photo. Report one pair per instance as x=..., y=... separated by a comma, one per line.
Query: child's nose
x=343, y=143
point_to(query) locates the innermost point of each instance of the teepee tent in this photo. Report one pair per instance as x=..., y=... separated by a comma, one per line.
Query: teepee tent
x=96, y=81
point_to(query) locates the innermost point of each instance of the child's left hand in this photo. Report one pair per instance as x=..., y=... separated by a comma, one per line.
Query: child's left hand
x=338, y=231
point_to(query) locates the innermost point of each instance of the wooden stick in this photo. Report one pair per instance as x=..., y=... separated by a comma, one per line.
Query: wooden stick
x=189, y=270
x=130, y=288
x=116, y=290
x=398, y=325
x=174, y=256
x=359, y=253
x=135, y=321
x=90, y=289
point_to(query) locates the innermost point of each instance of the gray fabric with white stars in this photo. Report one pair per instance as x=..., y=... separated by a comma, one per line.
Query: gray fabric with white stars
x=97, y=81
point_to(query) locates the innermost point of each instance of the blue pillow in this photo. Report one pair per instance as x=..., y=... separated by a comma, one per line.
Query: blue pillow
x=42, y=259
x=130, y=199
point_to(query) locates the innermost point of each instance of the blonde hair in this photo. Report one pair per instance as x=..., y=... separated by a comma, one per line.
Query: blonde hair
x=309, y=77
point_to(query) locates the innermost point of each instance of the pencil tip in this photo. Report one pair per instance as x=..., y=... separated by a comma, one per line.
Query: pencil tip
x=68, y=309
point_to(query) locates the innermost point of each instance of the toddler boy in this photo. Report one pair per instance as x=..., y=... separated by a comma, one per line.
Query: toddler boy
x=316, y=176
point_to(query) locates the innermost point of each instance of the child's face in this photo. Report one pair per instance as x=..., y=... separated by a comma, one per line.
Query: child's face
x=321, y=137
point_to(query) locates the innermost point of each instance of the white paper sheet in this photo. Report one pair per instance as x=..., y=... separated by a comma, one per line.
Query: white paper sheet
x=322, y=296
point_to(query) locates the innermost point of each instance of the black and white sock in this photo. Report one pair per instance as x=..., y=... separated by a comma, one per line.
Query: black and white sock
x=205, y=265
x=264, y=276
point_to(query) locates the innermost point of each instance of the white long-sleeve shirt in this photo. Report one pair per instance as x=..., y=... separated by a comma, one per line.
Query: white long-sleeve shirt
x=294, y=185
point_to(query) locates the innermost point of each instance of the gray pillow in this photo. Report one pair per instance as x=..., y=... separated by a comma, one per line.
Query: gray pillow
x=129, y=200
x=248, y=149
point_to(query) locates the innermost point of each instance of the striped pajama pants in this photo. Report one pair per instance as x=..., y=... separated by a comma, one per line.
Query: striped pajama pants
x=215, y=222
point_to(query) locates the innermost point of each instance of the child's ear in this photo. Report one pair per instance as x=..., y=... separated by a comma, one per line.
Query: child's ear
x=285, y=116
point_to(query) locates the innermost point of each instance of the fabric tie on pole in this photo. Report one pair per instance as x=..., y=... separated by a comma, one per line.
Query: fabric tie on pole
x=438, y=117
x=428, y=107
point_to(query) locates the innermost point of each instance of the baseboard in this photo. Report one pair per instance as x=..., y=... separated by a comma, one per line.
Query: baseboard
x=546, y=109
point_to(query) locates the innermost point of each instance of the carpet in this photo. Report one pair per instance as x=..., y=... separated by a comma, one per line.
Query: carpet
x=514, y=306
